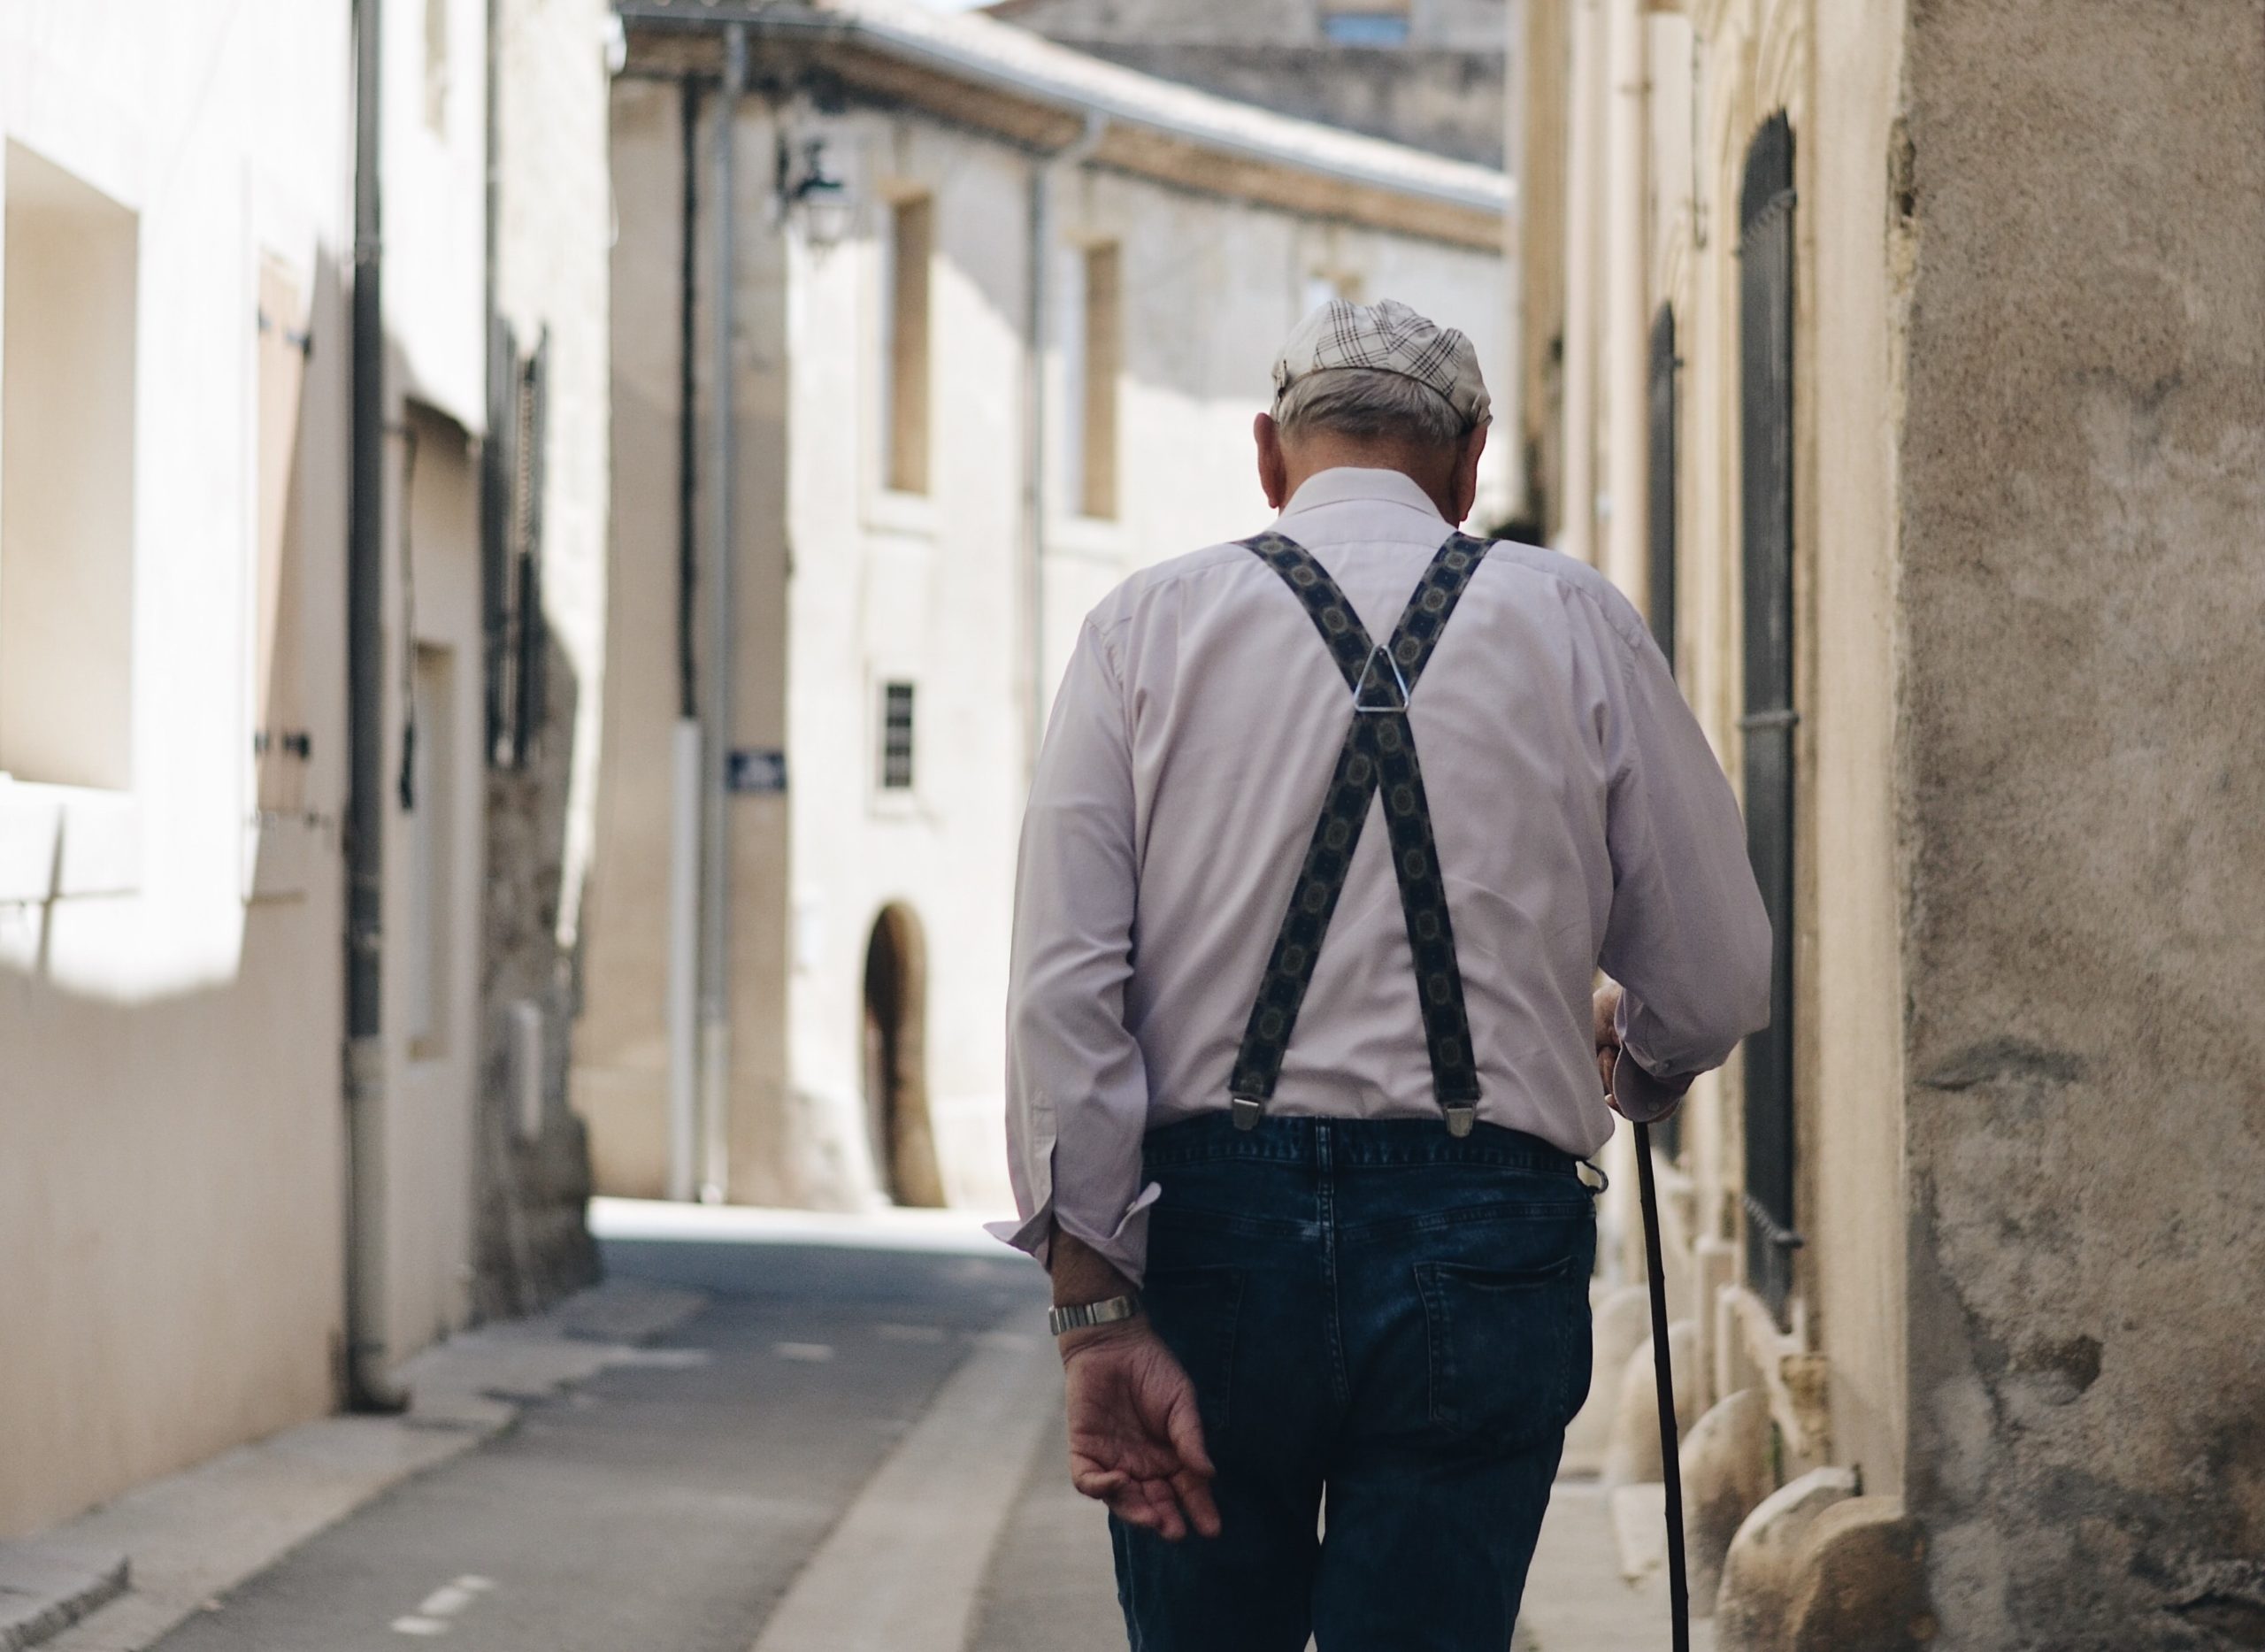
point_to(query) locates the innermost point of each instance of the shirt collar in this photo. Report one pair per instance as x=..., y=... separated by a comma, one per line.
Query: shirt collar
x=1346, y=484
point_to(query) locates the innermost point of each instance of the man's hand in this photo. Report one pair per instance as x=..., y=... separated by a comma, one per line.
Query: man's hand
x=1135, y=1441
x=1604, y=1015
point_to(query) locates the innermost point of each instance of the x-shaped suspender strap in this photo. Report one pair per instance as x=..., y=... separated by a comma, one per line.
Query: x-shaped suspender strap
x=1379, y=753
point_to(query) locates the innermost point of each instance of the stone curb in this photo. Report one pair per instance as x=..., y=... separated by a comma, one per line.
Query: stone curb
x=46, y=1588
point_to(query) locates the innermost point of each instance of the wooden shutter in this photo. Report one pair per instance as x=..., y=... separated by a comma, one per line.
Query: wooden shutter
x=1766, y=435
x=1660, y=492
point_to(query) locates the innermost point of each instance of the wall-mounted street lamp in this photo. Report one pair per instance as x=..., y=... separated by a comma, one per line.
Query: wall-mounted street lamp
x=811, y=196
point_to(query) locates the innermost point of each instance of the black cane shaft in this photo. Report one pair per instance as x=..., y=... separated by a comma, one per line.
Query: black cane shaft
x=1678, y=1582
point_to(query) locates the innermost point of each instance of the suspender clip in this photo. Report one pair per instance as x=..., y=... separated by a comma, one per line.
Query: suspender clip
x=1246, y=1110
x=1461, y=1117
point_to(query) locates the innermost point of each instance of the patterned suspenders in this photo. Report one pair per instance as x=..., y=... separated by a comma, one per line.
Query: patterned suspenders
x=1379, y=753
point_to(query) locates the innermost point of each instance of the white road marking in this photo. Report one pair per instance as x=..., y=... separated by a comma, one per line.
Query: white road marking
x=441, y=1604
x=901, y=1571
x=909, y=1332
x=666, y=1358
x=808, y=1353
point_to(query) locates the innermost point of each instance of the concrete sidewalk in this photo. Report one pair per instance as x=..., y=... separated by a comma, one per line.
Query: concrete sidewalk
x=1578, y=1599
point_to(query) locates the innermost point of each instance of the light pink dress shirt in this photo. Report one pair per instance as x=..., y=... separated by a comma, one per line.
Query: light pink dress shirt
x=1581, y=821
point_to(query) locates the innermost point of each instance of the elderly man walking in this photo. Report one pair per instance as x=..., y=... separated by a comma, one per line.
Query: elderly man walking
x=1333, y=828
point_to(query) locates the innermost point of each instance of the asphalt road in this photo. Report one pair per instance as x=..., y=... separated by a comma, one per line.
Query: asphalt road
x=669, y=1504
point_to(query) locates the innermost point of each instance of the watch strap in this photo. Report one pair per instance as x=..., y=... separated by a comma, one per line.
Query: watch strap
x=1084, y=1315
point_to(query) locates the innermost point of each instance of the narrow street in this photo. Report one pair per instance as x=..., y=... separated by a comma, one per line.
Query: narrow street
x=850, y=1447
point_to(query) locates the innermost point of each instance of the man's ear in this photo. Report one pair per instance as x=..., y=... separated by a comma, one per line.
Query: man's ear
x=1466, y=472
x=1273, y=469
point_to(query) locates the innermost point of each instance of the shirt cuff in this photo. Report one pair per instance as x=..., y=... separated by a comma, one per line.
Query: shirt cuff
x=1125, y=1247
x=1640, y=1098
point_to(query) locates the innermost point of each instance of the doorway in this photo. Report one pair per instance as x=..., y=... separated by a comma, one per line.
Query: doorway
x=895, y=1060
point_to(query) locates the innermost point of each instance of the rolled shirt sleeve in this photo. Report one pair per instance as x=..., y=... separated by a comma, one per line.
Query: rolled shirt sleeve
x=1688, y=938
x=1076, y=1087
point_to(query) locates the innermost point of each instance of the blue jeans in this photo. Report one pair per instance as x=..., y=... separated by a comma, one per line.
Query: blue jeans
x=1381, y=1321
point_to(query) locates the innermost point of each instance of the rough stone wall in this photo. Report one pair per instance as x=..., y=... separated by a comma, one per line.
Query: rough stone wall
x=551, y=246
x=1460, y=25
x=2082, y=493
x=1448, y=102
x=1442, y=91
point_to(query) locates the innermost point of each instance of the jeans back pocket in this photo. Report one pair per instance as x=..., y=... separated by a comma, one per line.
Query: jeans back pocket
x=1195, y=1310
x=1508, y=1348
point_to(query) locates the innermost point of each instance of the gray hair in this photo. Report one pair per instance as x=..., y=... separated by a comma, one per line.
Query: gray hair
x=1368, y=403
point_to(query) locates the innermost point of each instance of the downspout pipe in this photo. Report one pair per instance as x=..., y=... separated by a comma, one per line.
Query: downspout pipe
x=1626, y=323
x=686, y=802
x=369, y=1383
x=716, y=1006
x=1045, y=167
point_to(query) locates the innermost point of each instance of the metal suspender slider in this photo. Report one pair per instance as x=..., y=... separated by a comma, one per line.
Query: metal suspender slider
x=1461, y=1117
x=1246, y=1110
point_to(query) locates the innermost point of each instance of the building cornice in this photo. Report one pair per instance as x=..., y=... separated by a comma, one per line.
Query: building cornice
x=1042, y=95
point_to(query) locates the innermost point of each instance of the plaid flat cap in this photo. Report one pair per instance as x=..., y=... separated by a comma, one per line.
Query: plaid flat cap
x=1388, y=337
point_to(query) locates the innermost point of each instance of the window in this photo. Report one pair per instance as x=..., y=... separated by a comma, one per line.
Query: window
x=896, y=736
x=1373, y=26
x=904, y=425
x=1766, y=535
x=430, y=797
x=66, y=480
x=436, y=66
x=1659, y=492
x=280, y=740
x=1093, y=353
x=511, y=547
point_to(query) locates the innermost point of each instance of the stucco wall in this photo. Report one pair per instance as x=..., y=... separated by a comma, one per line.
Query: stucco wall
x=1851, y=1117
x=552, y=252
x=170, y=1145
x=621, y=1054
x=2083, y=482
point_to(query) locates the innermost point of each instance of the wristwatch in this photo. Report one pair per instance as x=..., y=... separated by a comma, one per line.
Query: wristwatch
x=1086, y=1314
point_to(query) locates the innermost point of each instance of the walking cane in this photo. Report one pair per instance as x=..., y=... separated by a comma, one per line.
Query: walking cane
x=1678, y=1582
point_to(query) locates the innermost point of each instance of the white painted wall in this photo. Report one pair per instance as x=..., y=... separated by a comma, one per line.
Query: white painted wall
x=169, y=1097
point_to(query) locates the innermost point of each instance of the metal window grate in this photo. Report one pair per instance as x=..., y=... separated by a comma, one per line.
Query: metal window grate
x=1766, y=435
x=896, y=736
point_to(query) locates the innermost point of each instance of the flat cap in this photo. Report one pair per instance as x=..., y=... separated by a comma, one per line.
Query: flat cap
x=1386, y=337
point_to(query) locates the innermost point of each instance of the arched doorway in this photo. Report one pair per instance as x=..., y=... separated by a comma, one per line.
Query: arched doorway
x=897, y=1062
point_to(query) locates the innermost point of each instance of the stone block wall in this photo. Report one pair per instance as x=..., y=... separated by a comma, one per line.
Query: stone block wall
x=2081, y=494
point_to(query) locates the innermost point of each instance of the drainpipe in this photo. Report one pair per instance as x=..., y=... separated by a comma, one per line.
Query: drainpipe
x=1583, y=172
x=716, y=1008
x=685, y=801
x=1627, y=328
x=369, y=1385
x=1044, y=168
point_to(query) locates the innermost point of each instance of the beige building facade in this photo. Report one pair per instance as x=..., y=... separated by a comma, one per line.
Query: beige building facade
x=1903, y=361
x=214, y=1233
x=947, y=449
